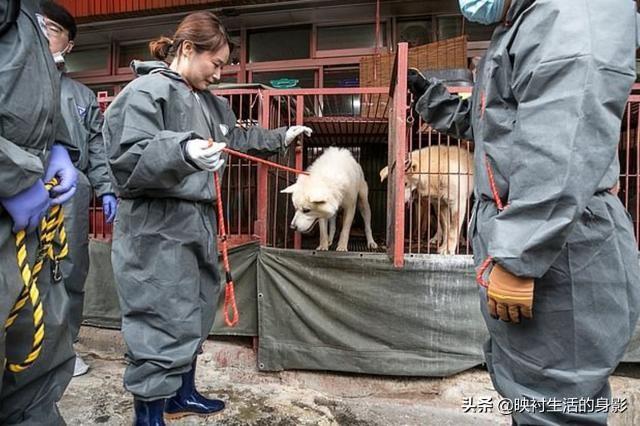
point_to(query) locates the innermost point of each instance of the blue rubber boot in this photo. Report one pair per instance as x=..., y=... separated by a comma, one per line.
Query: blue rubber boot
x=188, y=400
x=149, y=413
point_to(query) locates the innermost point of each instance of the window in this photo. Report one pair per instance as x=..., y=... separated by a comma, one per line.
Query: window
x=478, y=32
x=278, y=45
x=130, y=51
x=421, y=31
x=341, y=77
x=229, y=79
x=350, y=37
x=234, y=59
x=306, y=78
x=449, y=27
x=417, y=32
x=341, y=105
x=92, y=59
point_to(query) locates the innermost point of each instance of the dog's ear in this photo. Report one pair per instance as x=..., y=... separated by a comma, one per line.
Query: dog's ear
x=407, y=164
x=384, y=173
x=289, y=189
x=410, y=166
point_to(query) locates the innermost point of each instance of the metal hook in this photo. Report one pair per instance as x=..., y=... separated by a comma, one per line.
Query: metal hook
x=57, y=273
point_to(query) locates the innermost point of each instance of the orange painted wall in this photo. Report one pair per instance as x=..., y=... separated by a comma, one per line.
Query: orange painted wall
x=90, y=8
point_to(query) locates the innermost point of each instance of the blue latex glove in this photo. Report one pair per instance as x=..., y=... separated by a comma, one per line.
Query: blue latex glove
x=61, y=167
x=26, y=208
x=109, y=207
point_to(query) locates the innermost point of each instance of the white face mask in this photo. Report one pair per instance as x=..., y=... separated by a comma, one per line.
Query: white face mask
x=58, y=57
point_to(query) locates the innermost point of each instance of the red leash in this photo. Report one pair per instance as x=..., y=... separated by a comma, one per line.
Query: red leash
x=496, y=199
x=229, y=290
x=262, y=161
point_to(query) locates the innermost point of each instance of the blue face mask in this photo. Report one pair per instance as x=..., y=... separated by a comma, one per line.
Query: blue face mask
x=485, y=12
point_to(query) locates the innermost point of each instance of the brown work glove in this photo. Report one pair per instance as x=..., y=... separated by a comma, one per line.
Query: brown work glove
x=509, y=298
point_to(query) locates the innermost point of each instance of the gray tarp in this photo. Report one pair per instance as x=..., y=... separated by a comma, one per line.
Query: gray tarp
x=342, y=311
x=101, y=306
x=356, y=313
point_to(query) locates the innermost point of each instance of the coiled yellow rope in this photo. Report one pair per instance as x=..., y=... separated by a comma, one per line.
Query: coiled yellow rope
x=50, y=227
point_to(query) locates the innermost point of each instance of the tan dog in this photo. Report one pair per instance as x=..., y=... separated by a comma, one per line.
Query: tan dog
x=444, y=176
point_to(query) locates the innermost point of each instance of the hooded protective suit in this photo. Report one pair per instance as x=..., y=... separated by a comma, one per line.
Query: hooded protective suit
x=30, y=123
x=164, y=251
x=83, y=118
x=545, y=117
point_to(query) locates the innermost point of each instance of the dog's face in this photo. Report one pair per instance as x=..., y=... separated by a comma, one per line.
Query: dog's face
x=411, y=179
x=312, y=201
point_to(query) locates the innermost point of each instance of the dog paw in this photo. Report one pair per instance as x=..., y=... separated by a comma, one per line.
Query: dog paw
x=446, y=251
x=372, y=245
x=341, y=247
x=435, y=241
x=323, y=247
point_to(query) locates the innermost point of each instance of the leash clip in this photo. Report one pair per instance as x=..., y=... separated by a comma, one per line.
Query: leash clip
x=57, y=274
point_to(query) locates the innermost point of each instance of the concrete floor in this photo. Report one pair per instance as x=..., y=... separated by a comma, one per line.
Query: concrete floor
x=227, y=370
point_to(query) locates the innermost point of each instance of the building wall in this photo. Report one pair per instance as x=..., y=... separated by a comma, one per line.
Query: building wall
x=332, y=36
x=86, y=10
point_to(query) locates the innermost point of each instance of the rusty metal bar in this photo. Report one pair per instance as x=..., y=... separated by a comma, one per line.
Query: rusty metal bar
x=297, y=242
x=263, y=181
x=397, y=151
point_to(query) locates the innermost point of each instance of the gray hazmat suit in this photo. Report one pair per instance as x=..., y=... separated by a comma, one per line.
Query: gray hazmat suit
x=84, y=119
x=30, y=123
x=545, y=115
x=164, y=251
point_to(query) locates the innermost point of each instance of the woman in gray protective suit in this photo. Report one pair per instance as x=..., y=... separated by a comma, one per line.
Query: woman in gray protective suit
x=545, y=118
x=164, y=254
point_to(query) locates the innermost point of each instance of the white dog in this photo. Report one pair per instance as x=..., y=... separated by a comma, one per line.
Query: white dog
x=335, y=181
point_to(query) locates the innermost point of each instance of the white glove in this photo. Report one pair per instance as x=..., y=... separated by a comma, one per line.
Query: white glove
x=204, y=155
x=294, y=131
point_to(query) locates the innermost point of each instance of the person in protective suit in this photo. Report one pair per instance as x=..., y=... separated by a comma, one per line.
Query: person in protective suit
x=164, y=253
x=563, y=282
x=83, y=118
x=34, y=148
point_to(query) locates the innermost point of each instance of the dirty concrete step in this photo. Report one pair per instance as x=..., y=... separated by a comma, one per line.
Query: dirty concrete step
x=227, y=369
